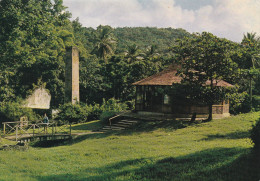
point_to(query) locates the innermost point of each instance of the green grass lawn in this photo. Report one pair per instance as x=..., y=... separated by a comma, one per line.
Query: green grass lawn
x=217, y=150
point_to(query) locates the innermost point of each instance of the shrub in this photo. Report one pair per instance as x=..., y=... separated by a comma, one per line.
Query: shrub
x=255, y=135
x=83, y=112
x=73, y=113
x=94, y=111
x=239, y=103
x=110, y=108
x=12, y=111
x=104, y=117
x=113, y=105
x=106, y=110
x=131, y=104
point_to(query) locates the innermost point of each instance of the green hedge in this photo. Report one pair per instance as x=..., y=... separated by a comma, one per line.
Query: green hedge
x=82, y=112
x=12, y=111
x=73, y=113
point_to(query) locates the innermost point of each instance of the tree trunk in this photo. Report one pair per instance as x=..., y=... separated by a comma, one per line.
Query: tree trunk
x=211, y=101
x=250, y=92
x=210, y=112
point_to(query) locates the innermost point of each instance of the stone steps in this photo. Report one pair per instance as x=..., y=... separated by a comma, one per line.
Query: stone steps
x=119, y=125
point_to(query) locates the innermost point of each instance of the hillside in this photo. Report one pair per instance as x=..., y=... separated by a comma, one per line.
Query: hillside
x=217, y=150
x=143, y=37
x=146, y=36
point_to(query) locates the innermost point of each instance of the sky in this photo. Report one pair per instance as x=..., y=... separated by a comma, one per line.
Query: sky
x=229, y=19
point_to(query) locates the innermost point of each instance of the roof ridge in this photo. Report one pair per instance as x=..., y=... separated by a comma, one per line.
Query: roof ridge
x=168, y=77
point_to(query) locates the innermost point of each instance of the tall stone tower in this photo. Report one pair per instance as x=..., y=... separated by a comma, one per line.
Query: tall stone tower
x=72, y=75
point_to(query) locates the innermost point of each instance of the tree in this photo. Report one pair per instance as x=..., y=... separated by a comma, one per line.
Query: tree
x=33, y=37
x=205, y=61
x=92, y=82
x=252, y=37
x=6, y=88
x=131, y=52
x=251, y=58
x=105, y=42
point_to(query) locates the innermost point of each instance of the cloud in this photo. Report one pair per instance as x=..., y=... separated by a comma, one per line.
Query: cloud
x=229, y=18
x=224, y=18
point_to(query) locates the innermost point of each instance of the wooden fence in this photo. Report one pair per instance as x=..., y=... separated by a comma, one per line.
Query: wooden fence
x=18, y=130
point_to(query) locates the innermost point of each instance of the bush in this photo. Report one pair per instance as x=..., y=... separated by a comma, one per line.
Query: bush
x=110, y=108
x=255, y=135
x=106, y=115
x=130, y=104
x=94, y=111
x=82, y=112
x=256, y=102
x=239, y=103
x=113, y=105
x=73, y=113
x=12, y=111
x=106, y=110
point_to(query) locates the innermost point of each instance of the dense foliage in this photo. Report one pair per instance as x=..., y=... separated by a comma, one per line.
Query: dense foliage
x=33, y=37
x=12, y=111
x=76, y=113
x=73, y=113
x=161, y=38
x=205, y=60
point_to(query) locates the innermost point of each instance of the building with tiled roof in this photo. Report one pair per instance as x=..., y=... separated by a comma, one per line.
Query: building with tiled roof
x=169, y=77
x=151, y=98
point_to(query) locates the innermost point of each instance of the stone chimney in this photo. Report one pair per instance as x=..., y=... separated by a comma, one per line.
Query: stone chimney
x=72, y=75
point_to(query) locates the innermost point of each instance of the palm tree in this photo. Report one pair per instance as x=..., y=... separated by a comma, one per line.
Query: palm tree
x=251, y=37
x=132, y=50
x=252, y=43
x=105, y=42
x=133, y=53
x=151, y=52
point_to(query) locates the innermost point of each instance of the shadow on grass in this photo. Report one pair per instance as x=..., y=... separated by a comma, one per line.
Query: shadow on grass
x=92, y=125
x=77, y=139
x=48, y=143
x=225, y=164
x=234, y=135
x=149, y=126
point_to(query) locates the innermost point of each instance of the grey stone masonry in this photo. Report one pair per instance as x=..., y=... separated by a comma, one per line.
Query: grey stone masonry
x=72, y=75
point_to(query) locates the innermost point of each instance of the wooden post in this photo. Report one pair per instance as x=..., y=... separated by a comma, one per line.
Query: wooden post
x=70, y=129
x=16, y=133
x=20, y=128
x=52, y=131
x=4, y=128
x=136, y=96
x=33, y=130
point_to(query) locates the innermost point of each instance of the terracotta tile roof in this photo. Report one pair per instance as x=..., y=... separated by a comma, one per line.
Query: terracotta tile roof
x=169, y=77
x=166, y=77
x=220, y=83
